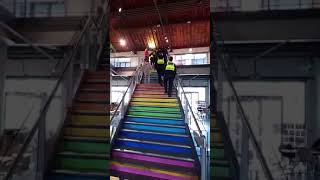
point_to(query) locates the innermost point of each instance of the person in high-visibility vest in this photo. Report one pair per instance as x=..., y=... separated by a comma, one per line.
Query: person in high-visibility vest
x=169, y=75
x=160, y=66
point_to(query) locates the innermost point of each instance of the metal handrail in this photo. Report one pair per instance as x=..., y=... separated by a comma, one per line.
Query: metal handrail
x=116, y=73
x=185, y=96
x=47, y=103
x=247, y=124
x=37, y=48
x=244, y=119
x=133, y=78
x=202, y=144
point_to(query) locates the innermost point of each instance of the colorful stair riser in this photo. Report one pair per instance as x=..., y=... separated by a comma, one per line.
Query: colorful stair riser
x=85, y=149
x=221, y=170
x=152, y=118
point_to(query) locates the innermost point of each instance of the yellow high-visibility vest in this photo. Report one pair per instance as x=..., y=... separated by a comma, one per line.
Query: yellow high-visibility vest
x=170, y=66
x=160, y=61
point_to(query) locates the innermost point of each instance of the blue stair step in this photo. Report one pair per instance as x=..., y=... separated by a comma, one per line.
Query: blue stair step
x=184, y=151
x=155, y=128
x=156, y=121
x=155, y=137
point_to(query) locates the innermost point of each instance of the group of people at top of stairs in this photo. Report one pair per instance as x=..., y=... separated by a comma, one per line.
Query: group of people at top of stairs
x=161, y=61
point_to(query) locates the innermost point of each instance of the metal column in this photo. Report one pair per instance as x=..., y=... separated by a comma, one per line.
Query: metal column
x=41, y=165
x=3, y=59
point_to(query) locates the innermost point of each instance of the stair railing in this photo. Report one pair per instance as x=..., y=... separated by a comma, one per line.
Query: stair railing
x=197, y=129
x=223, y=71
x=35, y=141
x=120, y=111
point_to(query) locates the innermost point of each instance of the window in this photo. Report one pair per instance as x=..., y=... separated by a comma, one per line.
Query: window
x=191, y=59
x=47, y=9
x=121, y=62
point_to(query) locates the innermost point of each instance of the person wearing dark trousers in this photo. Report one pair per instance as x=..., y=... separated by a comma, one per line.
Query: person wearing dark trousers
x=160, y=66
x=169, y=75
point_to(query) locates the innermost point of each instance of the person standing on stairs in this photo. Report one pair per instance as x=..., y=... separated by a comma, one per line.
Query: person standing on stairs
x=160, y=66
x=169, y=75
x=146, y=68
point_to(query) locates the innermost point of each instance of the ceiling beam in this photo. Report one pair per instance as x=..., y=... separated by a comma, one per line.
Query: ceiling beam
x=169, y=7
x=154, y=26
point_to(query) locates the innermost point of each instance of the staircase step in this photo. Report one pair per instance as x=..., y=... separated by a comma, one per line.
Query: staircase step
x=87, y=132
x=82, y=164
x=154, y=114
x=215, y=137
x=220, y=172
x=87, y=139
x=155, y=124
x=187, y=159
x=160, y=148
x=149, y=172
x=152, y=92
x=154, y=109
x=97, y=81
x=136, y=99
x=155, y=137
x=152, y=104
x=155, y=128
x=94, y=97
x=217, y=153
x=90, y=107
x=90, y=120
x=92, y=86
x=84, y=155
x=85, y=147
x=75, y=175
x=162, y=96
x=155, y=121
x=153, y=159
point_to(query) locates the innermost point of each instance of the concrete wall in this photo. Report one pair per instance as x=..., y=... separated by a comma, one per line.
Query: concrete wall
x=23, y=96
x=257, y=5
x=272, y=29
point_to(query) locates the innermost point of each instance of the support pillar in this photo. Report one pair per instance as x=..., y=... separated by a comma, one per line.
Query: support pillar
x=3, y=60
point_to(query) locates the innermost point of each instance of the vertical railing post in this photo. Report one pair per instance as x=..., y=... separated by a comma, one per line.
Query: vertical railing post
x=42, y=143
x=244, y=163
x=203, y=159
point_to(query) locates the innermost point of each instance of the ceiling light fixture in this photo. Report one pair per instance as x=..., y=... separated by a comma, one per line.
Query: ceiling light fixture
x=122, y=42
x=152, y=45
x=189, y=22
x=190, y=49
x=158, y=25
x=120, y=9
x=167, y=40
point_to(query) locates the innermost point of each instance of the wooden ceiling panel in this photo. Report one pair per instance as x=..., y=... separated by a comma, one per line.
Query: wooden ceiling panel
x=139, y=24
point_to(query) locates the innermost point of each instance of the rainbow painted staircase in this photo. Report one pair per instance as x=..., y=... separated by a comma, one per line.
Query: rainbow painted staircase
x=83, y=152
x=153, y=142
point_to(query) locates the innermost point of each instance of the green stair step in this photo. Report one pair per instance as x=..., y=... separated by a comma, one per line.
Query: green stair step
x=216, y=153
x=217, y=171
x=82, y=165
x=140, y=108
x=147, y=114
x=86, y=147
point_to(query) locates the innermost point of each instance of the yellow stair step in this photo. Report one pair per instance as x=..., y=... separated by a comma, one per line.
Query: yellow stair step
x=155, y=100
x=87, y=132
x=155, y=104
x=90, y=120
